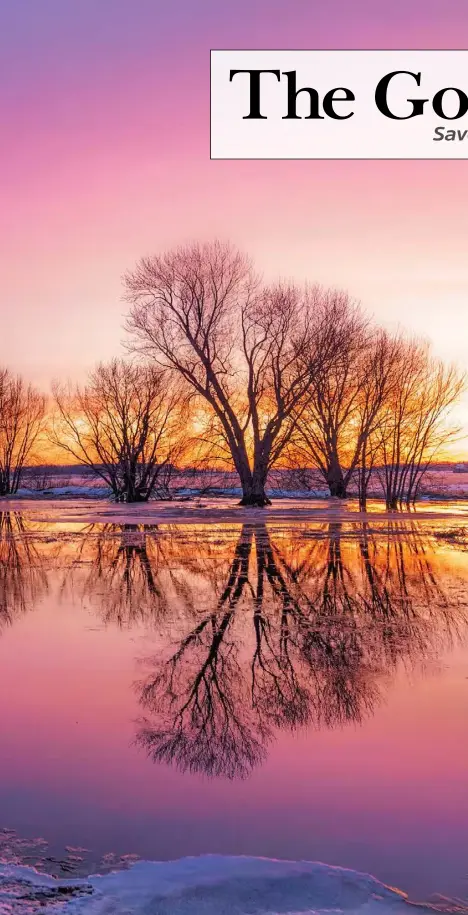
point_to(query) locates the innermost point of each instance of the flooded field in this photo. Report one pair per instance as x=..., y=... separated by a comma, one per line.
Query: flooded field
x=252, y=686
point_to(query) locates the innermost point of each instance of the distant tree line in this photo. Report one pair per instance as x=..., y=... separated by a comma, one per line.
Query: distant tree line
x=224, y=368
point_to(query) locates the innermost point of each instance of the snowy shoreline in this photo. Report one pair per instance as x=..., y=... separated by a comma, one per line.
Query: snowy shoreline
x=209, y=885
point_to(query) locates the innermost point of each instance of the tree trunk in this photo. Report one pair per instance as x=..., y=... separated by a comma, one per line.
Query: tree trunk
x=253, y=491
x=255, y=499
x=335, y=479
x=137, y=496
x=130, y=492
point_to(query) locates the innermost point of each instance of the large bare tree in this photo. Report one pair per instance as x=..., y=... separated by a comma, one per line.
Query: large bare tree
x=127, y=423
x=22, y=413
x=245, y=351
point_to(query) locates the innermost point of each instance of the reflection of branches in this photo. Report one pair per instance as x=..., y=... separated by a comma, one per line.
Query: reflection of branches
x=138, y=573
x=277, y=632
x=277, y=693
x=205, y=727
x=23, y=577
x=123, y=569
x=331, y=617
x=129, y=572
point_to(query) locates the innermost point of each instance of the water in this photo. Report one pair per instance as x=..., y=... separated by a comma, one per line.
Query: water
x=294, y=691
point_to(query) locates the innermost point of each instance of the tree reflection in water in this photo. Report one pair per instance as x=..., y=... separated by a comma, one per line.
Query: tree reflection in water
x=139, y=573
x=119, y=567
x=305, y=631
x=258, y=630
x=23, y=577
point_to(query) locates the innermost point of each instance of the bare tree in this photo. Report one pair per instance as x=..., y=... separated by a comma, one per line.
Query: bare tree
x=127, y=424
x=375, y=390
x=241, y=349
x=378, y=409
x=339, y=415
x=22, y=413
x=413, y=424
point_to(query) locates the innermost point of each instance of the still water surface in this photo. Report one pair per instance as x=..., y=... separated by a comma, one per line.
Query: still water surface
x=291, y=691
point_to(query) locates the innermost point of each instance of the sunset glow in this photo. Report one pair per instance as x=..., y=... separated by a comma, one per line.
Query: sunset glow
x=105, y=157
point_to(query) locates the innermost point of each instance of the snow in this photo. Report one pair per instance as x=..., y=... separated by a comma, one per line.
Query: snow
x=53, y=492
x=208, y=885
x=440, y=483
x=103, y=492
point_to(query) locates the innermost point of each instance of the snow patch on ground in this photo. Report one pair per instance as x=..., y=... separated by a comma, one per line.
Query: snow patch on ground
x=57, y=492
x=441, y=481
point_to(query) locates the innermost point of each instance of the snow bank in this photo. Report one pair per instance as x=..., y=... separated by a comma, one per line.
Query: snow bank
x=208, y=885
x=53, y=492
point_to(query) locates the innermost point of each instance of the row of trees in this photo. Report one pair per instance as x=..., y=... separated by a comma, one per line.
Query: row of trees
x=382, y=406
x=227, y=370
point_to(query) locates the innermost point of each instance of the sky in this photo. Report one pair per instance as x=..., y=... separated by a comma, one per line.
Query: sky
x=104, y=157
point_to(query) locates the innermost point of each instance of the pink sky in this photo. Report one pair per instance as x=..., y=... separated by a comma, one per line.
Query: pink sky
x=105, y=157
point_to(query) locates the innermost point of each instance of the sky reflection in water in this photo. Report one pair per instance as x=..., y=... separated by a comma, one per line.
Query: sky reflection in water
x=271, y=690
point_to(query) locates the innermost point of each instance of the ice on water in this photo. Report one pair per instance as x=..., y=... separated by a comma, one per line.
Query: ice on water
x=208, y=885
